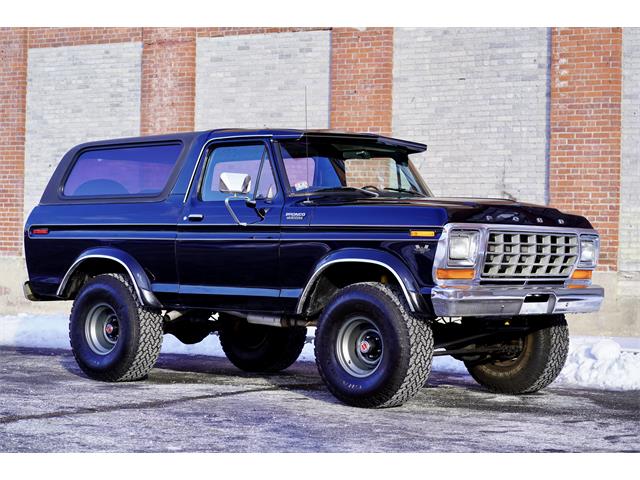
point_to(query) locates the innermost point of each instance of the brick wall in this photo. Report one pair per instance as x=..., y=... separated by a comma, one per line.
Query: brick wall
x=585, y=122
x=478, y=98
x=13, y=89
x=168, y=80
x=76, y=94
x=361, y=79
x=629, y=256
x=66, y=37
x=259, y=80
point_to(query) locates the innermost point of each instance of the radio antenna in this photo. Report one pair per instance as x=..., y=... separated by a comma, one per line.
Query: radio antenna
x=306, y=140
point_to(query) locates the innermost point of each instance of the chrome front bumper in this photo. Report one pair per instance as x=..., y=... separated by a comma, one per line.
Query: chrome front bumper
x=479, y=301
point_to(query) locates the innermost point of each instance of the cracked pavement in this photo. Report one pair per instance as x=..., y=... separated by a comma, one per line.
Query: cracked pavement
x=205, y=404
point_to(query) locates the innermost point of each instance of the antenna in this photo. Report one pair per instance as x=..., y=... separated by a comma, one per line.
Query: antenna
x=306, y=117
x=306, y=140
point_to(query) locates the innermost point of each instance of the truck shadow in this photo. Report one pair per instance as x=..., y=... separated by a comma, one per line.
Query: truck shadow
x=302, y=377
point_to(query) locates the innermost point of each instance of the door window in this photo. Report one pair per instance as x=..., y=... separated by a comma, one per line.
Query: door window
x=228, y=164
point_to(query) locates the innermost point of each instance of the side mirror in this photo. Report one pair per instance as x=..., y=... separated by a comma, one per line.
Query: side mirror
x=235, y=183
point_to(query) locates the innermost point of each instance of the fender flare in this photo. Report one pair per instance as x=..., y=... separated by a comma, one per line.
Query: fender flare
x=140, y=280
x=396, y=267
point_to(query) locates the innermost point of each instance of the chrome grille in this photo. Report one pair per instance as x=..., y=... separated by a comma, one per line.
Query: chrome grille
x=529, y=255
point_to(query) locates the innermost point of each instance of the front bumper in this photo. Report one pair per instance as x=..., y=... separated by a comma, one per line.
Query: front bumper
x=511, y=301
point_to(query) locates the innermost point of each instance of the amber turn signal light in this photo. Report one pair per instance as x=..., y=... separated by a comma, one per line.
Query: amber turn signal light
x=582, y=275
x=455, y=274
x=422, y=233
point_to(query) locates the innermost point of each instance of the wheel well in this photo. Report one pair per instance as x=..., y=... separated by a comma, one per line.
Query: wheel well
x=88, y=269
x=340, y=275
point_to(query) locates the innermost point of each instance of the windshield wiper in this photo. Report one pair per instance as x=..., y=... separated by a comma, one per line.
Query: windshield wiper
x=406, y=190
x=342, y=189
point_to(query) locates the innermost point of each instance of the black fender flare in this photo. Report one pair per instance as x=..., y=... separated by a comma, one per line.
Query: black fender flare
x=387, y=260
x=140, y=280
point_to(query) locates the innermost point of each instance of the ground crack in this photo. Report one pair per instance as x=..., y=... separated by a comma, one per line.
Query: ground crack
x=132, y=406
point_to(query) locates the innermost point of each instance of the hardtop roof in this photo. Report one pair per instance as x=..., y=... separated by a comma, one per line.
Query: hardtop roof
x=282, y=133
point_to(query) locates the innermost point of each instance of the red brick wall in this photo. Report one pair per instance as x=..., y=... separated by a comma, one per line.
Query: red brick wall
x=13, y=91
x=585, y=115
x=168, y=80
x=362, y=79
x=586, y=96
x=60, y=37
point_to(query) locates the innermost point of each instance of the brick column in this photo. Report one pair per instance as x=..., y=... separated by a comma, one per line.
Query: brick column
x=13, y=91
x=586, y=97
x=168, y=80
x=362, y=79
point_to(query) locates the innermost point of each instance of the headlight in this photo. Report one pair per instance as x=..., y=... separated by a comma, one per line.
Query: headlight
x=463, y=248
x=589, y=248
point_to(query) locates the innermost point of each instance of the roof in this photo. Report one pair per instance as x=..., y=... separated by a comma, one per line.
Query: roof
x=283, y=133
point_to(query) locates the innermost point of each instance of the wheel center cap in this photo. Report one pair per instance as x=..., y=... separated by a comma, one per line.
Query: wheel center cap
x=365, y=346
x=109, y=328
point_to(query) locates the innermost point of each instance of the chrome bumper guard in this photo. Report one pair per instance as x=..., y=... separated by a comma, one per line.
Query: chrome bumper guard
x=476, y=301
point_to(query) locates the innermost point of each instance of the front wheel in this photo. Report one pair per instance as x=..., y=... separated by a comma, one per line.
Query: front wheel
x=371, y=351
x=540, y=357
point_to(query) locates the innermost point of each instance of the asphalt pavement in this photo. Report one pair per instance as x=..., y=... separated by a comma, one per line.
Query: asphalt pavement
x=200, y=404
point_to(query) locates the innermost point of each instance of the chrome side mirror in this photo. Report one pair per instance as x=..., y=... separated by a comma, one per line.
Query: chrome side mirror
x=235, y=183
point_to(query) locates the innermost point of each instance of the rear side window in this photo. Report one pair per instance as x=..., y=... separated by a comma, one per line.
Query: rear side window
x=124, y=171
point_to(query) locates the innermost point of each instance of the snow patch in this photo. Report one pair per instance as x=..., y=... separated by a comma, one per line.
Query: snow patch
x=593, y=362
x=601, y=363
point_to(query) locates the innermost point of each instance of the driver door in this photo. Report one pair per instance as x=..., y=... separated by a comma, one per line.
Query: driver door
x=227, y=247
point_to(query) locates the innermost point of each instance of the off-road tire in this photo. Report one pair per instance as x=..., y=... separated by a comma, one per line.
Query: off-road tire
x=539, y=363
x=260, y=348
x=405, y=363
x=140, y=338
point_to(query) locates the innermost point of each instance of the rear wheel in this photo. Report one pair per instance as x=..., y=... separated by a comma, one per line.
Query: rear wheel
x=113, y=336
x=259, y=348
x=371, y=351
x=540, y=356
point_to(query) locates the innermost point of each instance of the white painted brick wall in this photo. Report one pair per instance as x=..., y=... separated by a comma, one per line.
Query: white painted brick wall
x=478, y=98
x=259, y=80
x=77, y=94
x=629, y=253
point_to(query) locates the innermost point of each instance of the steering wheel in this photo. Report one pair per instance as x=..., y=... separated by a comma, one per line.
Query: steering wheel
x=373, y=187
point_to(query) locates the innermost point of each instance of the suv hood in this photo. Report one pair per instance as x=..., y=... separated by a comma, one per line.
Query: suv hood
x=438, y=211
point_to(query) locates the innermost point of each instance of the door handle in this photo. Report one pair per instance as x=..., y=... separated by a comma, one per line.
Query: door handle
x=195, y=217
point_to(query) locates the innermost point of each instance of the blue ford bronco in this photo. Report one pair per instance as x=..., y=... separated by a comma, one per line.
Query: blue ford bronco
x=259, y=234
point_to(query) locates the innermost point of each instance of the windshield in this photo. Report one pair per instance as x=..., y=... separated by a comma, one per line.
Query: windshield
x=316, y=165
